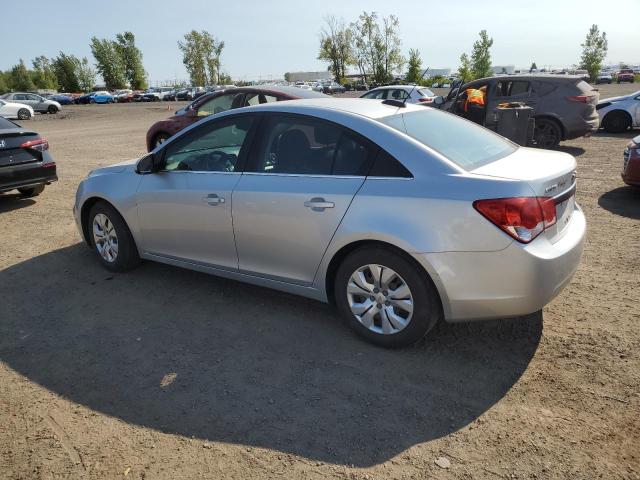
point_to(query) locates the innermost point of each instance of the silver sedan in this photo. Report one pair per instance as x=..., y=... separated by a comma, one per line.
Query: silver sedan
x=400, y=216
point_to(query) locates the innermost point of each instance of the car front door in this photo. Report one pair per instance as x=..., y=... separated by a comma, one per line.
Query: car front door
x=503, y=91
x=299, y=182
x=184, y=209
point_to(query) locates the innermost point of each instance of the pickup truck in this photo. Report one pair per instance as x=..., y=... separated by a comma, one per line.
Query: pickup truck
x=626, y=75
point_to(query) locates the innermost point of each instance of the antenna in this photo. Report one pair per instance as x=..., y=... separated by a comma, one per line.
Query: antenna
x=404, y=103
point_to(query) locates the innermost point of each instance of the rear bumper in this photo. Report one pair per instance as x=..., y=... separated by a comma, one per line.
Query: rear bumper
x=25, y=176
x=519, y=280
x=582, y=127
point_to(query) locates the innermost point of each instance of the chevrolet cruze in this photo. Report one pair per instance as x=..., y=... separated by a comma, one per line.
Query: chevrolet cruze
x=398, y=214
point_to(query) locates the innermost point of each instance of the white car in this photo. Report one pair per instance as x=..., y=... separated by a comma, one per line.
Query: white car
x=617, y=114
x=15, y=110
x=410, y=93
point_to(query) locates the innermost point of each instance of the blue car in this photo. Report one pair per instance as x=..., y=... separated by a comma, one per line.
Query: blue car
x=61, y=99
x=101, y=97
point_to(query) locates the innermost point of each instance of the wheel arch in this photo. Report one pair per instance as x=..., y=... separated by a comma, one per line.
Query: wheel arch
x=618, y=111
x=345, y=250
x=556, y=120
x=85, y=209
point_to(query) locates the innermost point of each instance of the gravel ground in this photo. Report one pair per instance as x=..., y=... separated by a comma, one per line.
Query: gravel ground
x=164, y=373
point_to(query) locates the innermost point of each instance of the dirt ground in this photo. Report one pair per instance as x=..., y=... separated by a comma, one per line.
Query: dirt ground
x=164, y=373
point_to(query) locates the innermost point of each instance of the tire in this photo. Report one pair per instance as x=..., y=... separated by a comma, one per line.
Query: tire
x=92, y=101
x=407, y=327
x=616, y=122
x=159, y=139
x=52, y=109
x=547, y=133
x=24, y=114
x=125, y=254
x=31, y=192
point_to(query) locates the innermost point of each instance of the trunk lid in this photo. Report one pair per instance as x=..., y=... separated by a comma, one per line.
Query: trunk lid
x=548, y=173
x=11, y=152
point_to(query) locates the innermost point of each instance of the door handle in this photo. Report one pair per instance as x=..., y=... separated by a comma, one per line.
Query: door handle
x=213, y=199
x=318, y=204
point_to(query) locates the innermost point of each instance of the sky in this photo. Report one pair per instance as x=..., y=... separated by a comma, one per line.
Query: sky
x=264, y=39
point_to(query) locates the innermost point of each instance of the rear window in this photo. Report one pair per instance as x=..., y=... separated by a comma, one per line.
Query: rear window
x=464, y=143
x=426, y=92
x=584, y=86
x=6, y=124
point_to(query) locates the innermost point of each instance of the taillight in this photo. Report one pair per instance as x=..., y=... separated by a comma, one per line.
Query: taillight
x=425, y=99
x=523, y=218
x=41, y=144
x=579, y=99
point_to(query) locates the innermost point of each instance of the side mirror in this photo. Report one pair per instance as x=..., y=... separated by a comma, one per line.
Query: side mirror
x=439, y=100
x=147, y=164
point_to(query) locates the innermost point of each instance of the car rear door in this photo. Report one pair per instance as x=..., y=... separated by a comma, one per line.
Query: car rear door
x=184, y=209
x=300, y=180
x=506, y=90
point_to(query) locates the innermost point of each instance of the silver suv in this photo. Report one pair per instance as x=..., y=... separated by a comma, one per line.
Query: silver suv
x=564, y=107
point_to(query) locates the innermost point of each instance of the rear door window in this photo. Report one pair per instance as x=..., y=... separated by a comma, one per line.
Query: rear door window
x=506, y=88
x=259, y=98
x=376, y=94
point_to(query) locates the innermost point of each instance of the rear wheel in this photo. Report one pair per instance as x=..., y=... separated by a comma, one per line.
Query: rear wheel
x=547, y=133
x=31, y=192
x=52, y=109
x=24, y=114
x=616, y=122
x=385, y=297
x=111, y=238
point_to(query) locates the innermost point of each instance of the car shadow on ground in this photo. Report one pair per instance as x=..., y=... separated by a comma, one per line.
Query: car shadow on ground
x=9, y=202
x=623, y=201
x=195, y=355
x=575, y=151
x=628, y=134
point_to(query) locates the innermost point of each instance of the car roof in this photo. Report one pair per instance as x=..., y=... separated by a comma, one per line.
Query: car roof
x=533, y=76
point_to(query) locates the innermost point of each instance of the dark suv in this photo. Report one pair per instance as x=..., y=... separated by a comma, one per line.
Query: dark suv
x=564, y=107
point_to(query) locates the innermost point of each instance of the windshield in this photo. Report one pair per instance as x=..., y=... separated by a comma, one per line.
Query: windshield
x=464, y=143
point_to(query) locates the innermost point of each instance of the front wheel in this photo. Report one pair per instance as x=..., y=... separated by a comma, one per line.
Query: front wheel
x=385, y=297
x=111, y=238
x=24, y=114
x=616, y=122
x=52, y=109
x=547, y=133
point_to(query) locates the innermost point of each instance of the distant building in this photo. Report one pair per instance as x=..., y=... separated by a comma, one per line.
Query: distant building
x=503, y=69
x=308, y=76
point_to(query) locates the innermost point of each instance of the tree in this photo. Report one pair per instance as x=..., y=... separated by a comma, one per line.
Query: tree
x=287, y=77
x=481, y=57
x=20, y=78
x=4, y=85
x=66, y=70
x=414, y=72
x=464, y=71
x=201, y=53
x=109, y=63
x=392, y=59
x=335, y=46
x=44, y=75
x=131, y=57
x=85, y=74
x=594, y=51
x=533, y=67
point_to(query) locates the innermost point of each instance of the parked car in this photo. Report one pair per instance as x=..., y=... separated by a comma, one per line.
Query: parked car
x=25, y=162
x=221, y=101
x=604, y=77
x=564, y=106
x=631, y=163
x=101, y=96
x=626, y=75
x=170, y=96
x=583, y=74
x=325, y=200
x=330, y=88
x=410, y=93
x=20, y=111
x=84, y=99
x=618, y=114
x=155, y=94
x=190, y=93
x=38, y=103
x=61, y=99
x=123, y=96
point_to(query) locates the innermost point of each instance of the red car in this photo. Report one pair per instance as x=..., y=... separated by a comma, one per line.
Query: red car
x=631, y=166
x=221, y=101
x=626, y=75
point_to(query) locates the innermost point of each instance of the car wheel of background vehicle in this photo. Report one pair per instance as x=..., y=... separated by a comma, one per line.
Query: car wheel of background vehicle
x=111, y=238
x=31, y=192
x=616, y=122
x=159, y=139
x=547, y=133
x=24, y=114
x=92, y=101
x=52, y=109
x=385, y=297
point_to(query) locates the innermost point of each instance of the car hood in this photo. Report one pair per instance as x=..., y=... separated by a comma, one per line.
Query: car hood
x=127, y=165
x=616, y=99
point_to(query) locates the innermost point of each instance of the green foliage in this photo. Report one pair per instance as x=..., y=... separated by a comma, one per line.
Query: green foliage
x=481, y=56
x=225, y=79
x=414, y=72
x=66, y=70
x=85, y=74
x=109, y=63
x=464, y=71
x=44, y=75
x=594, y=51
x=4, y=85
x=19, y=78
x=201, y=53
x=131, y=57
x=533, y=67
x=287, y=77
x=335, y=47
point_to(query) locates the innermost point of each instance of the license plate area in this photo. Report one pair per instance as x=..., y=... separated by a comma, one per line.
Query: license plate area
x=564, y=212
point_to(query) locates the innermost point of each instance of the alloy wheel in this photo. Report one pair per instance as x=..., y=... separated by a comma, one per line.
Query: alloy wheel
x=380, y=299
x=105, y=238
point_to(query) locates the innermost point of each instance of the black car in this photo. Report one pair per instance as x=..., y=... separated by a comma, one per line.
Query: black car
x=83, y=99
x=25, y=163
